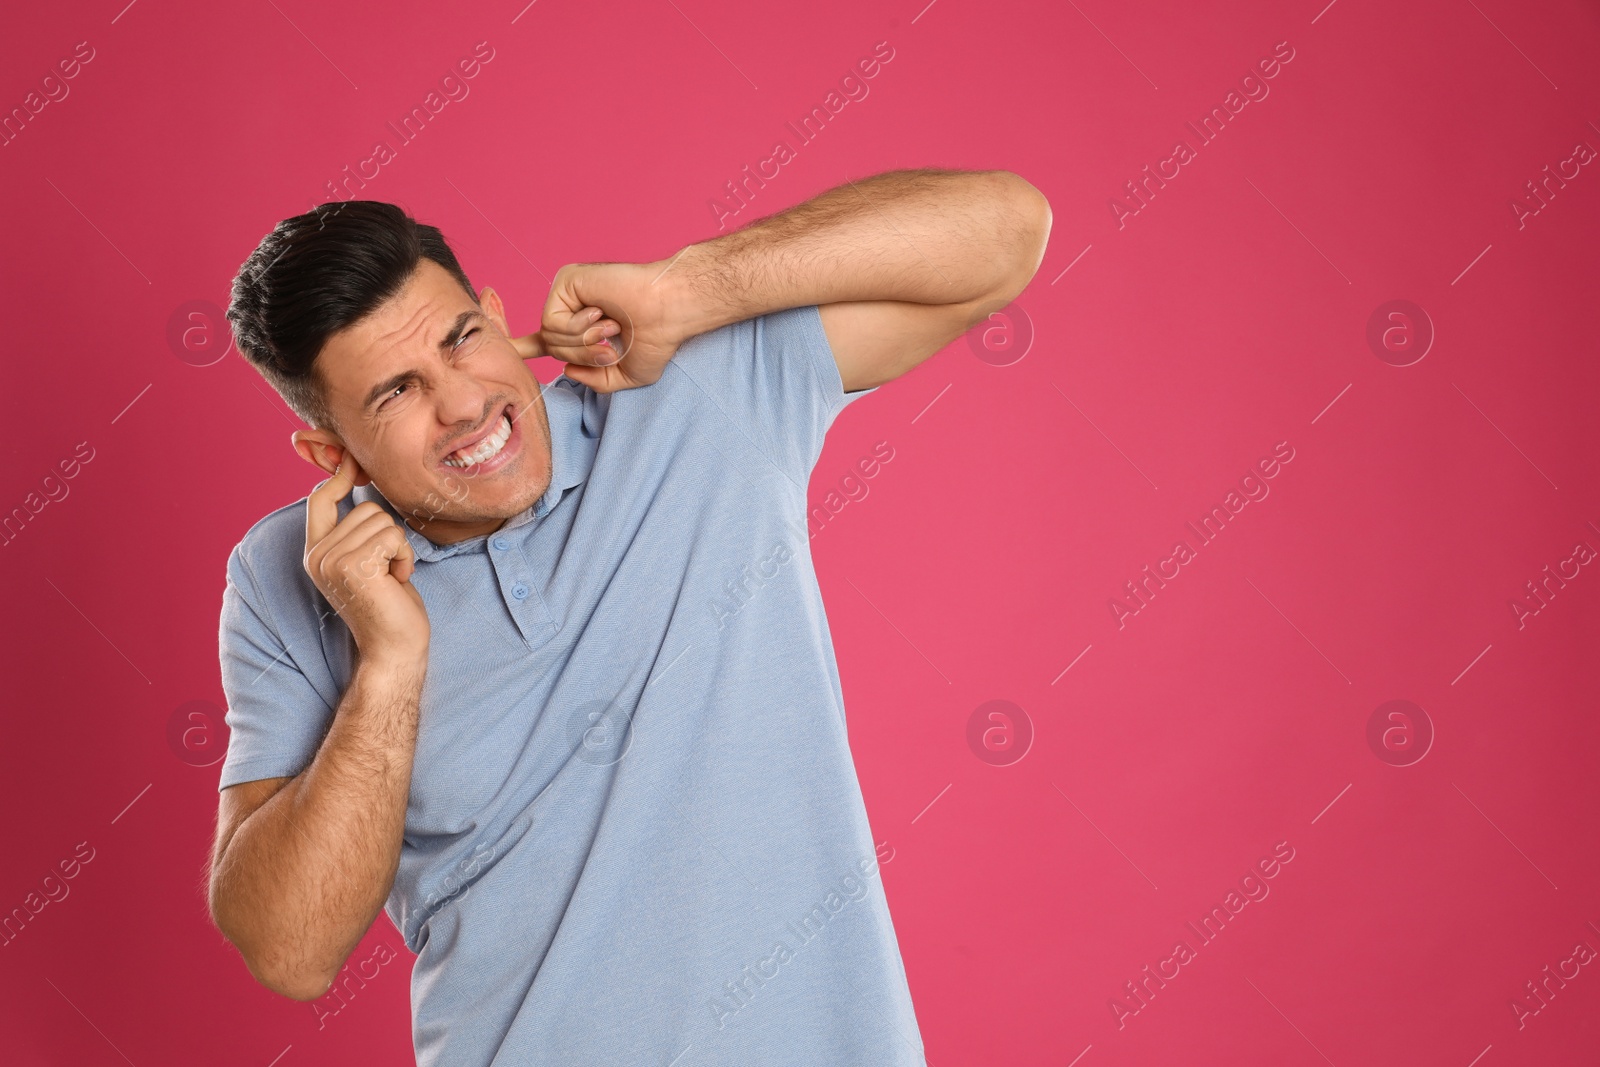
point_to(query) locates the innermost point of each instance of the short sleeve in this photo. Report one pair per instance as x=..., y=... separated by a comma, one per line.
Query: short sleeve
x=276, y=718
x=775, y=378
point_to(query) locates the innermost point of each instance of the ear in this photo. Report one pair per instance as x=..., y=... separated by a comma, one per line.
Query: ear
x=326, y=452
x=489, y=300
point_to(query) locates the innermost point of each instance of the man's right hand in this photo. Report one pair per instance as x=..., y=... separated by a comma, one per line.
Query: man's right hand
x=363, y=565
x=302, y=865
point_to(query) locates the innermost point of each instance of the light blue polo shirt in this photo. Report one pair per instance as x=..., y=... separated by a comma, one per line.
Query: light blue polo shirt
x=635, y=833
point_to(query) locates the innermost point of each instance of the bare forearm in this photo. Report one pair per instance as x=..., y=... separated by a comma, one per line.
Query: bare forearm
x=922, y=236
x=306, y=874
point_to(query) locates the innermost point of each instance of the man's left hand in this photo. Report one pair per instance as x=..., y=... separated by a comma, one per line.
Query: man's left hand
x=622, y=304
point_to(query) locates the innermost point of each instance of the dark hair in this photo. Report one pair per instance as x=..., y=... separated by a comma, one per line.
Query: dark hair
x=316, y=274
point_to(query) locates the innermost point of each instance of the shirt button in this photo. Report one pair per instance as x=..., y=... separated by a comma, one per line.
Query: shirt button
x=500, y=543
x=519, y=591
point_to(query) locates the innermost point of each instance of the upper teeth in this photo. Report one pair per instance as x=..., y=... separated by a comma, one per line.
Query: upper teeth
x=484, y=449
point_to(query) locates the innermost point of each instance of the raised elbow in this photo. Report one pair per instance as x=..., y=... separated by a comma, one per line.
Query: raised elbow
x=297, y=987
x=1033, y=209
x=1025, y=231
x=285, y=977
x=295, y=981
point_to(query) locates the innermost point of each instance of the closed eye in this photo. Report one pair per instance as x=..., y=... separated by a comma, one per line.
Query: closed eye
x=392, y=395
x=465, y=345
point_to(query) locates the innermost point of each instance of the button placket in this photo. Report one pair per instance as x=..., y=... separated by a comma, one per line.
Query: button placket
x=527, y=607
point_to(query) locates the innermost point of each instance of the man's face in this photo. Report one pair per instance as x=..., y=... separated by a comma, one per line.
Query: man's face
x=426, y=376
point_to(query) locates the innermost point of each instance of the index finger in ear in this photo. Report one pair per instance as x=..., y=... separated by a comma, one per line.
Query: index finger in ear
x=528, y=347
x=322, y=505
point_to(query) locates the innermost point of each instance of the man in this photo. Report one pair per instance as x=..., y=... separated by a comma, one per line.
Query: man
x=545, y=671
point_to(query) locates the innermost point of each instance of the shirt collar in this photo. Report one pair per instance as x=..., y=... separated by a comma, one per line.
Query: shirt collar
x=574, y=438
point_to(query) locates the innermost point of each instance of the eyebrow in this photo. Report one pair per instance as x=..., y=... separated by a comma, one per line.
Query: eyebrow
x=393, y=382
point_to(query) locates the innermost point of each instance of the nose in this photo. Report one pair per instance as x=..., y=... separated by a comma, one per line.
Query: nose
x=462, y=399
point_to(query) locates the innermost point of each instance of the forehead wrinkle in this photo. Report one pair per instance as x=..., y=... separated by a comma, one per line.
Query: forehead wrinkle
x=403, y=334
x=369, y=345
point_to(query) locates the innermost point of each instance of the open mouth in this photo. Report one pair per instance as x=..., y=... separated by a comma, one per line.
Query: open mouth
x=489, y=452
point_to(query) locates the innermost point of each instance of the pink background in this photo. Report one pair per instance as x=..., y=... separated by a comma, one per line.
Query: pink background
x=1167, y=357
